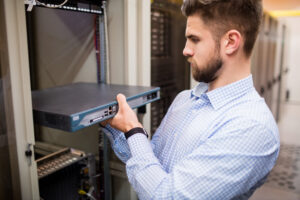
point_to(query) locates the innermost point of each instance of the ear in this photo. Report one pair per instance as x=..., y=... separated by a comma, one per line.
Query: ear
x=232, y=42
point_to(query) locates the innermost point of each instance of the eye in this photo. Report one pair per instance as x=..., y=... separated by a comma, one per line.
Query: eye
x=194, y=39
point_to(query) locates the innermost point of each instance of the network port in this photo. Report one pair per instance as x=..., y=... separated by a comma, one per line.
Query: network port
x=154, y=95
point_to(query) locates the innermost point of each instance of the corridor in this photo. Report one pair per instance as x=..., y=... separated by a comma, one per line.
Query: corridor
x=283, y=182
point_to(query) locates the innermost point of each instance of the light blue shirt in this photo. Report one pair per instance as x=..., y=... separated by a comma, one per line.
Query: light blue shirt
x=210, y=145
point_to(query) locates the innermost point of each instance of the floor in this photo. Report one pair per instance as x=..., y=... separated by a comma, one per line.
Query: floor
x=284, y=180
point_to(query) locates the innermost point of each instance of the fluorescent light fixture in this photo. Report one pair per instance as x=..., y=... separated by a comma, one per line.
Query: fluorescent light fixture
x=284, y=13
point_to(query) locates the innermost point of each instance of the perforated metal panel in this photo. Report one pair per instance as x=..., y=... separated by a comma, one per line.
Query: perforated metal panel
x=160, y=33
x=169, y=69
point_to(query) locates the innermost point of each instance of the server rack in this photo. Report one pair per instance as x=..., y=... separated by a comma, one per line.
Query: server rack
x=169, y=68
x=80, y=10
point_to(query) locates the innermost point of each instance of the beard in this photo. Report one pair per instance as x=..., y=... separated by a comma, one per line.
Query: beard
x=209, y=72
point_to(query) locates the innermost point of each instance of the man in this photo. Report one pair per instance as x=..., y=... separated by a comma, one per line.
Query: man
x=218, y=140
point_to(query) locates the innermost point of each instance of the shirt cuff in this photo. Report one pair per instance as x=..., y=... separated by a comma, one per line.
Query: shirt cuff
x=139, y=145
x=114, y=132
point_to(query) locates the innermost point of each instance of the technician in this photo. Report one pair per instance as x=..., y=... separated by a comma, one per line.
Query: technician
x=218, y=140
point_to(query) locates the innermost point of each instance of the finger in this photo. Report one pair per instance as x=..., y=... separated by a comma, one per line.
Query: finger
x=109, y=121
x=122, y=102
x=121, y=97
x=104, y=123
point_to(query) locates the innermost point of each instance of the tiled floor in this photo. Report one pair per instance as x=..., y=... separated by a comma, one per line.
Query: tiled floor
x=284, y=180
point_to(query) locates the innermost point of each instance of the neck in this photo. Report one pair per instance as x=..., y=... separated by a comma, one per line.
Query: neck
x=231, y=72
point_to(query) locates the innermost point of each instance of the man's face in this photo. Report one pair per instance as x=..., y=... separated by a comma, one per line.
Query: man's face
x=201, y=50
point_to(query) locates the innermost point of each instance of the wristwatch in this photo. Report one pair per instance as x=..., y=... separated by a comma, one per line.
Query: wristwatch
x=134, y=131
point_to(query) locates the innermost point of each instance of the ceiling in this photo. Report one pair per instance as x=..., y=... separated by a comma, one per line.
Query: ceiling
x=282, y=8
x=270, y=5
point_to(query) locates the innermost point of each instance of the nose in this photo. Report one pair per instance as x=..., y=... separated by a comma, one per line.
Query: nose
x=187, y=51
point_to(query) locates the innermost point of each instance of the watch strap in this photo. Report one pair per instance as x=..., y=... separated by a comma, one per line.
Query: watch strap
x=134, y=131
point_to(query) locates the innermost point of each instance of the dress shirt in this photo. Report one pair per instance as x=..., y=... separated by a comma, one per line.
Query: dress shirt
x=219, y=144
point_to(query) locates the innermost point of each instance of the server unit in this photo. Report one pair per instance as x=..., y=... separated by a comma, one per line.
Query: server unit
x=79, y=105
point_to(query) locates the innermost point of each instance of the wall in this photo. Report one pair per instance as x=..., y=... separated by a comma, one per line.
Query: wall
x=293, y=58
x=115, y=21
x=63, y=42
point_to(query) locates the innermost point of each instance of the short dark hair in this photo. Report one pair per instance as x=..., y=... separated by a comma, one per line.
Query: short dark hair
x=224, y=15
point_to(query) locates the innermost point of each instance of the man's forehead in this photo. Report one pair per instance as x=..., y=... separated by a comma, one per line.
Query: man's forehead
x=195, y=25
x=195, y=21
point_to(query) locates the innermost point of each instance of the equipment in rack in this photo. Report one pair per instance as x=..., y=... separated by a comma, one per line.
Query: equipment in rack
x=57, y=161
x=79, y=105
x=168, y=69
x=87, y=6
x=67, y=174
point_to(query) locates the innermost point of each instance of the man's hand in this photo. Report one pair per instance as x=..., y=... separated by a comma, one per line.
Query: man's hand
x=126, y=118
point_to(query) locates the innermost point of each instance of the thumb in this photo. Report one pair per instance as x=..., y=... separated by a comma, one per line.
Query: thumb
x=122, y=102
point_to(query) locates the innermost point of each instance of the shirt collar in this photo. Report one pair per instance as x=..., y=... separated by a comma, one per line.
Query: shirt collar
x=199, y=90
x=223, y=95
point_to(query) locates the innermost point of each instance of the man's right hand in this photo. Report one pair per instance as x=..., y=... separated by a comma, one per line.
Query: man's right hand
x=125, y=119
